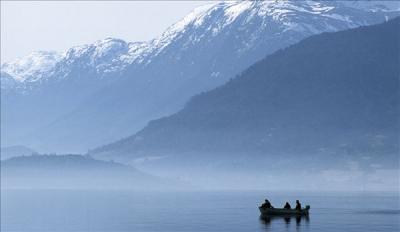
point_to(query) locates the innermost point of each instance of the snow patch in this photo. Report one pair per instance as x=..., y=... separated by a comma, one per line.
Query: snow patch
x=32, y=66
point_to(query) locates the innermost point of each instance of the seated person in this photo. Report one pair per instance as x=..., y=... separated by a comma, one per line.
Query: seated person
x=298, y=205
x=267, y=204
x=287, y=206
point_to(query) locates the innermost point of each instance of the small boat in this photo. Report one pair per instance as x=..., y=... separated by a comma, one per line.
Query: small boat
x=280, y=211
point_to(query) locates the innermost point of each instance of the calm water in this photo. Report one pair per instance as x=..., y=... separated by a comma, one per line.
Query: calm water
x=206, y=211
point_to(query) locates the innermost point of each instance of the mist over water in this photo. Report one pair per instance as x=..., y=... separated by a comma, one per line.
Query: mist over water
x=74, y=210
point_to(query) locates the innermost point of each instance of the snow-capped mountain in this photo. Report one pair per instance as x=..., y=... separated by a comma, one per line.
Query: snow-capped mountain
x=336, y=104
x=96, y=93
x=26, y=71
x=33, y=67
x=113, y=55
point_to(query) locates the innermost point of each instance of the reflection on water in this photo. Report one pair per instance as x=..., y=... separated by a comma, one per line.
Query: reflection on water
x=267, y=221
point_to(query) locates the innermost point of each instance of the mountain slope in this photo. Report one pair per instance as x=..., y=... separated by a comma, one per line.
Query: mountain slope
x=94, y=94
x=75, y=171
x=326, y=101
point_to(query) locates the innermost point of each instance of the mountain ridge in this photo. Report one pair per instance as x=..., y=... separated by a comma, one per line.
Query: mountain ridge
x=330, y=121
x=232, y=10
x=100, y=95
x=366, y=102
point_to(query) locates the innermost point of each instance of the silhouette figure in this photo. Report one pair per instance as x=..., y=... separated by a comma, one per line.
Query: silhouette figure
x=266, y=204
x=298, y=205
x=287, y=206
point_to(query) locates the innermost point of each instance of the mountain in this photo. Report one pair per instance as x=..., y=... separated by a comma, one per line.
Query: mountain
x=13, y=151
x=328, y=102
x=97, y=93
x=75, y=171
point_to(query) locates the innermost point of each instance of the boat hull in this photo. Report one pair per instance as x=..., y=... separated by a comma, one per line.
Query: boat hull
x=277, y=211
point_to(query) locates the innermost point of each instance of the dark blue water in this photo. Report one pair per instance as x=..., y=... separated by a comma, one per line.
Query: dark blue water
x=65, y=210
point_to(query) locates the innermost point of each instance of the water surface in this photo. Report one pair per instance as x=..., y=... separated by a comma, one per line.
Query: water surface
x=73, y=210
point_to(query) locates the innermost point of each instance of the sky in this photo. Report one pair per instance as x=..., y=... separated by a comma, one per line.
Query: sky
x=28, y=26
